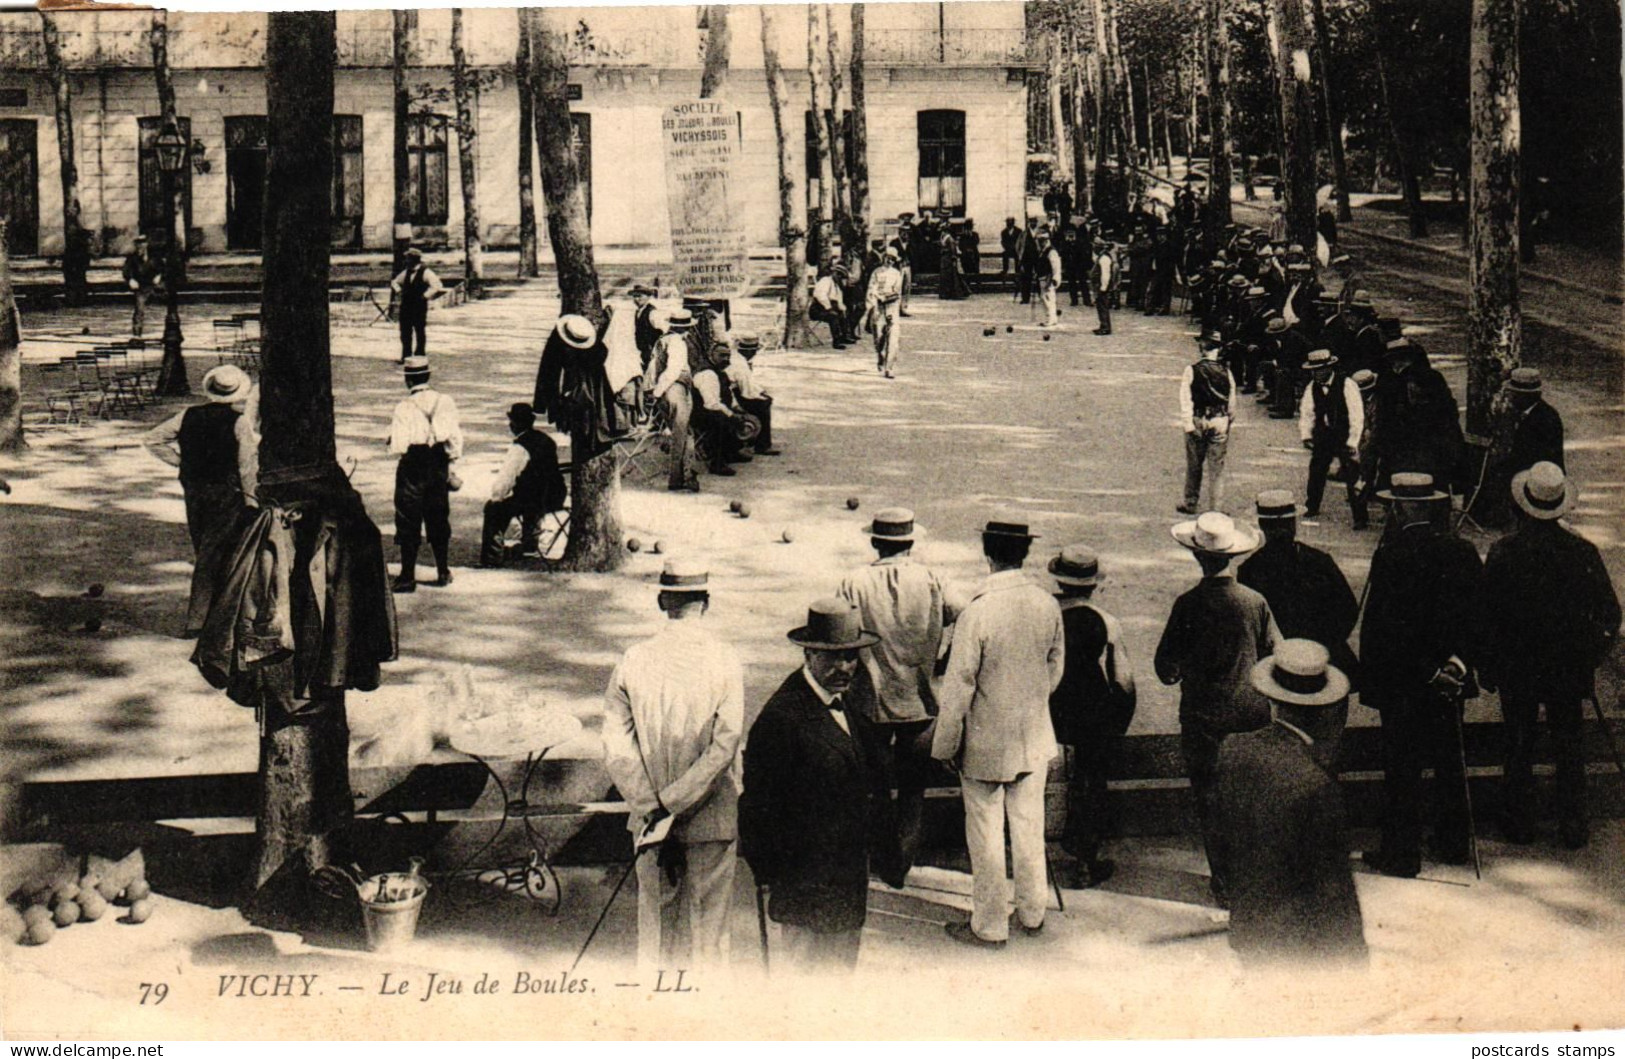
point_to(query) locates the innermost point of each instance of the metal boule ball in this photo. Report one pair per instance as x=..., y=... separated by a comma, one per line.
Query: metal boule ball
x=95, y=591
x=633, y=544
x=733, y=507
x=851, y=503
x=744, y=511
x=656, y=548
x=788, y=536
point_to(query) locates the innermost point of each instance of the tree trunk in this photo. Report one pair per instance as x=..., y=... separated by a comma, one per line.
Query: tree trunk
x=818, y=91
x=172, y=369
x=1057, y=110
x=304, y=779
x=528, y=265
x=1410, y=182
x=1334, y=113
x=1218, y=98
x=714, y=74
x=595, y=483
x=842, y=192
x=858, y=164
x=400, y=56
x=1167, y=143
x=1494, y=318
x=11, y=359
x=1296, y=79
x=792, y=198
x=1128, y=143
x=1080, y=138
x=468, y=163
x=1104, y=92
x=75, y=241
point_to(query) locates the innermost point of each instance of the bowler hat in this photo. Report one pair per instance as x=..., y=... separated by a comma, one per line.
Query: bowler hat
x=1300, y=673
x=226, y=384
x=1216, y=533
x=1077, y=565
x=1409, y=485
x=895, y=524
x=1277, y=503
x=1007, y=526
x=684, y=575
x=833, y=625
x=1524, y=380
x=1542, y=491
x=521, y=410
x=577, y=331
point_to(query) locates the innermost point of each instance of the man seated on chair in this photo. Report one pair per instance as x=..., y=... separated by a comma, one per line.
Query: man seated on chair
x=717, y=415
x=829, y=304
x=529, y=485
x=752, y=398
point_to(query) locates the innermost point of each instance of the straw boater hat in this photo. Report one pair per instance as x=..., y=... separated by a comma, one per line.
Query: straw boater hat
x=416, y=370
x=1409, y=485
x=833, y=625
x=1300, y=673
x=226, y=384
x=1007, y=526
x=1365, y=379
x=1524, y=380
x=1216, y=533
x=684, y=575
x=414, y=253
x=1319, y=358
x=1276, y=504
x=1276, y=325
x=679, y=320
x=577, y=331
x=1542, y=491
x=895, y=524
x=1239, y=282
x=1077, y=566
x=747, y=344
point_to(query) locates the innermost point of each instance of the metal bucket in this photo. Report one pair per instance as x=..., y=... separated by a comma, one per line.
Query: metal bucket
x=391, y=925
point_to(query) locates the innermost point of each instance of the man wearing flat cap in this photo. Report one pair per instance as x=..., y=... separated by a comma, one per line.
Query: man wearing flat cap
x=1552, y=619
x=674, y=713
x=428, y=438
x=906, y=605
x=1215, y=634
x=1420, y=639
x=1331, y=420
x=1090, y=708
x=816, y=809
x=1292, y=895
x=1008, y=655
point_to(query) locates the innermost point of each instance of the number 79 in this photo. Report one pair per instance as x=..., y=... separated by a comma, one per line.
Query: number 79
x=154, y=991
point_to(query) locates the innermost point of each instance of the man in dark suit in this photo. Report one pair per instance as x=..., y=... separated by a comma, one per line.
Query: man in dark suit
x=1419, y=641
x=816, y=804
x=1527, y=431
x=1307, y=593
x=1292, y=895
x=644, y=330
x=1552, y=618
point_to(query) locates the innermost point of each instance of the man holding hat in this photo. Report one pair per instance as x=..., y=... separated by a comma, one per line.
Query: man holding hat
x=1216, y=632
x=816, y=811
x=1008, y=655
x=674, y=713
x=1205, y=391
x=883, y=310
x=427, y=437
x=741, y=375
x=140, y=275
x=1292, y=895
x=1419, y=640
x=1331, y=420
x=905, y=604
x=527, y=486
x=1553, y=619
x=1526, y=431
x=216, y=472
x=414, y=289
x=670, y=383
x=1090, y=708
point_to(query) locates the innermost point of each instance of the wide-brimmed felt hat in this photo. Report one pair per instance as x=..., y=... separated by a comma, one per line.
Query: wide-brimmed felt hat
x=1300, y=673
x=684, y=575
x=1216, y=533
x=1411, y=485
x=833, y=625
x=1077, y=565
x=894, y=524
x=226, y=384
x=577, y=331
x=1007, y=526
x=1319, y=358
x=1543, y=491
x=1524, y=380
x=1276, y=503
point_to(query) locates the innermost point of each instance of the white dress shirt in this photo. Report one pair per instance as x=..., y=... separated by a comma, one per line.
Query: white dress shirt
x=904, y=604
x=1351, y=401
x=513, y=465
x=828, y=699
x=426, y=418
x=1187, y=411
x=668, y=365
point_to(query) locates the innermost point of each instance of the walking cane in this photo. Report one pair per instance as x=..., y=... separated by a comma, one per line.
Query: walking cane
x=601, y=915
x=1608, y=734
x=761, y=924
x=1466, y=783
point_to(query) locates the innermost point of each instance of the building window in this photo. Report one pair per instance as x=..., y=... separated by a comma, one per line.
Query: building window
x=154, y=214
x=349, y=182
x=942, y=160
x=426, y=173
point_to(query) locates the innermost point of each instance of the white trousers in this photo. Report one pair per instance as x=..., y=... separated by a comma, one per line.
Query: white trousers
x=986, y=807
x=684, y=923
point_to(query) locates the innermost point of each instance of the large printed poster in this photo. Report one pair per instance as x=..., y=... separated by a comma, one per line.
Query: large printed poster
x=701, y=139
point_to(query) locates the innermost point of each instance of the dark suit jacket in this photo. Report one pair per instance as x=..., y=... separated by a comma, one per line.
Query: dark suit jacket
x=816, y=804
x=1308, y=595
x=1291, y=891
x=1539, y=436
x=1551, y=611
x=1422, y=607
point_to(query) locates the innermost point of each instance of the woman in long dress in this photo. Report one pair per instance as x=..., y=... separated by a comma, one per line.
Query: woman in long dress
x=950, y=276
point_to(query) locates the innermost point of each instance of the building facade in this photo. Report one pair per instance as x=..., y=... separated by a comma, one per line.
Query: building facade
x=946, y=108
